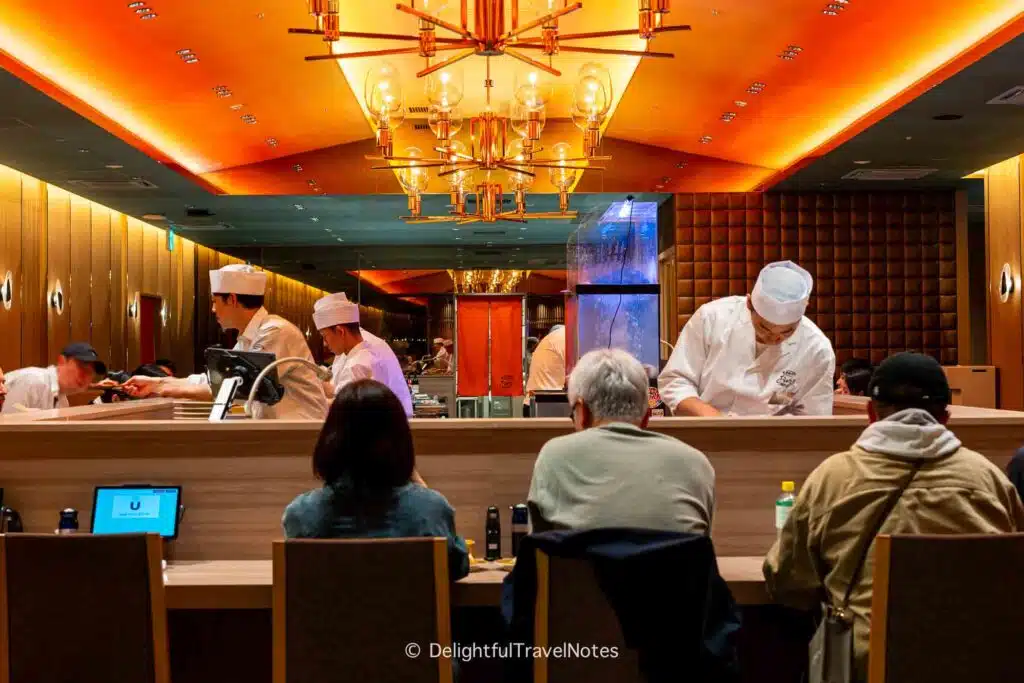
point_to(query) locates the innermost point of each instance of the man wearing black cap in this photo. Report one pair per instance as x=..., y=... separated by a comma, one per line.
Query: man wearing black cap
x=77, y=368
x=906, y=459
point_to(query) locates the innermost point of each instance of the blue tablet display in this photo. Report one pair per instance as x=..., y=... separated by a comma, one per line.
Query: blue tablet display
x=122, y=510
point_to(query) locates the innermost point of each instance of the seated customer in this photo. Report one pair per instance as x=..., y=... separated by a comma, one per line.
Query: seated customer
x=365, y=458
x=949, y=490
x=854, y=377
x=613, y=472
x=77, y=367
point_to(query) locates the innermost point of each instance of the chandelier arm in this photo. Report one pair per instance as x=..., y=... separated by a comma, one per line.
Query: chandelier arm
x=465, y=33
x=448, y=62
x=517, y=170
x=400, y=166
x=598, y=50
x=307, y=31
x=512, y=217
x=568, y=9
x=604, y=34
x=393, y=36
x=456, y=170
x=532, y=62
x=459, y=155
x=367, y=53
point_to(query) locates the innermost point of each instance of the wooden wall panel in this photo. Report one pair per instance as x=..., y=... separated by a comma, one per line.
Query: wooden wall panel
x=80, y=269
x=103, y=261
x=133, y=291
x=10, y=261
x=34, y=345
x=118, y=291
x=1003, y=246
x=102, y=306
x=58, y=268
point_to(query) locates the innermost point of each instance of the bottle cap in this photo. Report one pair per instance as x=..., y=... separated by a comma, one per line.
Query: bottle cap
x=788, y=486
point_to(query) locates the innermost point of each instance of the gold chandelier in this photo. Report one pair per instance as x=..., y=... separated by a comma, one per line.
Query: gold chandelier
x=498, y=141
x=487, y=281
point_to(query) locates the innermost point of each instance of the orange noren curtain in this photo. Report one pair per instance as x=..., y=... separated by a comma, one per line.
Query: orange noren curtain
x=507, y=347
x=472, y=351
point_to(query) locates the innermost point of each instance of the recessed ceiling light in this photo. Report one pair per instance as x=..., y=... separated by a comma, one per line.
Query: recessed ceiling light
x=83, y=150
x=133, y=5
x=113, y=167
x=260, y=15
x=729, y=116
x=339, y=239
x=148, y=16
x=183, y=52
x=144, y=12
x=297, y=168
x=248, y=118
x=756, y=88
x=315, y=219
x=272, y=142
x=299, y=207
x=681, y=164
x=520, y=238
x=705, y=139
x=909, y=137
x=236, y=107
x=740, y=103
x=863, y=162
x=459, y=238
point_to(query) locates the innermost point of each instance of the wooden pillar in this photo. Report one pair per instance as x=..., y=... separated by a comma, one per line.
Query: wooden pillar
x=1003, y=234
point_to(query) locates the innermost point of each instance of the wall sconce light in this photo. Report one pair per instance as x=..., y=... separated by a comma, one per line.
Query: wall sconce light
x=133, y=307
x=1006, y=283
x=165, y=315
x=7, y=291
x=57, y=298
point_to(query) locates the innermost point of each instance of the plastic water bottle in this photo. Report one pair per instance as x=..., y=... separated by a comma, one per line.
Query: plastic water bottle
x=492, y=535
x=520, y=525
x=784, y=504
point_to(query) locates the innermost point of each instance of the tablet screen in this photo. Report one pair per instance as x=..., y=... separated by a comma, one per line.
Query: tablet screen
x=135, y=510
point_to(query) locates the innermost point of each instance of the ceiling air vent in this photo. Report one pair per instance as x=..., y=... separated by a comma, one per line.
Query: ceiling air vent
x=490, y=232
x=421, y=126
x=417, y=110
x=113, y=184
x=901, y=173
x=487, y=252
x=203, y=227
x=1014, y=95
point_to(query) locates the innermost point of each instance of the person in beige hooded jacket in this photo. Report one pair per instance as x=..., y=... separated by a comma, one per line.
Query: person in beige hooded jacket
x=954, y=491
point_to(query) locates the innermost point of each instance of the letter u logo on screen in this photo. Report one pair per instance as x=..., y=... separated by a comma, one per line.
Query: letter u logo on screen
x=135, y=505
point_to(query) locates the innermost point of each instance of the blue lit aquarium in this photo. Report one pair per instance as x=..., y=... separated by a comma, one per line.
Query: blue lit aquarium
x=613, y=282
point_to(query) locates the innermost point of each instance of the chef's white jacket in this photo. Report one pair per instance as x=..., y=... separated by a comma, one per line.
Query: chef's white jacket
x=304, y=397
x=547, y=367
x=718, y=361
x=372, y=359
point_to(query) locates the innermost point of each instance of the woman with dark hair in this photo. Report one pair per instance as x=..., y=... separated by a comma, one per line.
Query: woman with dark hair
x=854, y=377
x=365, y=458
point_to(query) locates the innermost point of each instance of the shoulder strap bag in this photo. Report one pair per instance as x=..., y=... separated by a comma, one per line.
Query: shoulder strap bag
x=831, y=649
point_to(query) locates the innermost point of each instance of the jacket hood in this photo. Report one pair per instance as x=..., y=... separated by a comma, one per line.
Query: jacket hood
x=910, y=434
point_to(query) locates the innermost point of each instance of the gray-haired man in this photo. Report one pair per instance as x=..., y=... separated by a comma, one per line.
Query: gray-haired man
x=613, y=472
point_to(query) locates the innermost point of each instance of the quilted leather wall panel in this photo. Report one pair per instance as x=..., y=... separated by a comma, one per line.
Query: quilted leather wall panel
x=884, y=263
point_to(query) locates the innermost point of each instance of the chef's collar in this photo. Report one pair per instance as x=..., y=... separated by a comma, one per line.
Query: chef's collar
x=252, y=329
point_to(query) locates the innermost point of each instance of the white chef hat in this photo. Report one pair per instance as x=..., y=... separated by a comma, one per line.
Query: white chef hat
x=781, y=293
x=238, y=278
x=334, y=309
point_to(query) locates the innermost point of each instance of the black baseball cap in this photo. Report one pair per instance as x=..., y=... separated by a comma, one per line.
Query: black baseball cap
x=85, y=353
x=910, y=379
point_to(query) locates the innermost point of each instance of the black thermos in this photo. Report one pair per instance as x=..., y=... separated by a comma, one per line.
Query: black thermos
x=520, y=525
x=68, y=523
x=492, y=534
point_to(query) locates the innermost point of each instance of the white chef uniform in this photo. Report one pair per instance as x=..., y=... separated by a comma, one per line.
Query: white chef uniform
x=718, y=360
x=372, y=359
x=304, y=397
x=547, y=368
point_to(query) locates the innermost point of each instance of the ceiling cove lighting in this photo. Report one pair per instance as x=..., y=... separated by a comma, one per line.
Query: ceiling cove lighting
x=248, y=118
x=966, y=36
x=756, y=88
x=791, y=52
x=222, y=91
x=728, y=116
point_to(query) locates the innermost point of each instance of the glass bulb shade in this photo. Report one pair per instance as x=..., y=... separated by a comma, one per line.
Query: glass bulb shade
x=517, y=180
x=594, y=83
x=460, y=179
x=413, y=180
x=562, y=176
x=382, y=92
x=445, y=88
x=580, y=119
x=433, y=7
x=532, y=88
x=455, y=120
x=591, y=98
x=520, y=117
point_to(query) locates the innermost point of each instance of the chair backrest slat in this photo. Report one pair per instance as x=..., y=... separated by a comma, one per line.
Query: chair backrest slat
x=345, y=609
x=947, y=608
x=82, y=603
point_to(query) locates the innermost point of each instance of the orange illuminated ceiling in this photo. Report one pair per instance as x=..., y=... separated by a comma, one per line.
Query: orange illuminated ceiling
x=296, y=127
x=547, y=282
